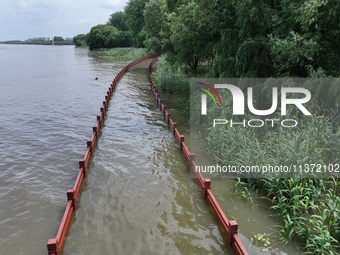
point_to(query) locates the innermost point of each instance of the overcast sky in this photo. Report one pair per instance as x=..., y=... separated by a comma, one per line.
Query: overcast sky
x=22, y=19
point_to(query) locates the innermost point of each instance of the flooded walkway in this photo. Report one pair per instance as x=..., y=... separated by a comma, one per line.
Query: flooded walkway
x=138, y=197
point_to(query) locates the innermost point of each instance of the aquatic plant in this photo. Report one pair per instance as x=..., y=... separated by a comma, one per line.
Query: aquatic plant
x=309, y=207
x=123, y=54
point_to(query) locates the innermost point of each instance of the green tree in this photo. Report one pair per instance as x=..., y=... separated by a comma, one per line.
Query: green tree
x=79, y=40
x=124, y=39
x=293, y=54
x=190, y=31
x=156, y=26
x=135, y=20
x=305, y=36
x=107, y=36
x=102, y=36
x=118, y=20
x=173, y=4
x=243, y=49
x=319, y=21
x=58, y=39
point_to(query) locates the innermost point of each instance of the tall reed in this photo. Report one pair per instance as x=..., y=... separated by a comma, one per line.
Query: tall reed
x=309, y=207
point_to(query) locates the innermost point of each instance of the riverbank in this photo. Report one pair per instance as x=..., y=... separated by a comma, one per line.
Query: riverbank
x=122, y=54
x=316, y=199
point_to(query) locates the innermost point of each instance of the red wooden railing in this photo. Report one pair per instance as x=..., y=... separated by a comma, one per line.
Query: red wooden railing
x=230, y=227
x=55, y=245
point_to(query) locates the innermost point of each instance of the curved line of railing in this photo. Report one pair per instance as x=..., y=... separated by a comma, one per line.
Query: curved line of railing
x=55, y=245
x=230, y=227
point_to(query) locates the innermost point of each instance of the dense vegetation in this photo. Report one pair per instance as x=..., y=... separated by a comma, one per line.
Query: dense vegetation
x=238, y=38
x=251, y=38
x=122, y=54
x=309, y=206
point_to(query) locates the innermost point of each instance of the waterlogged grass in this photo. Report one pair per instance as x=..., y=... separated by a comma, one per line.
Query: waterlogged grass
x=314, y=142
x=123, y=54
x=309, y=207
x=171, y=79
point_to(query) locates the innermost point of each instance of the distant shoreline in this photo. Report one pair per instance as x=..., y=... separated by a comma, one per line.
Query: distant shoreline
x=38, y=42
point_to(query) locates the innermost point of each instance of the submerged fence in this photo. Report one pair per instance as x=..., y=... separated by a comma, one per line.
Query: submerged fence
x=55, y=245
x=230, y=227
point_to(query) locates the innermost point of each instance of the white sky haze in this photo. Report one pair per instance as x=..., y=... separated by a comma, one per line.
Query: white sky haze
x=23, y=19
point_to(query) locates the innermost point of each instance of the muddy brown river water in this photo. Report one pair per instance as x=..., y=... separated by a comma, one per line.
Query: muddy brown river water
x=137, y=198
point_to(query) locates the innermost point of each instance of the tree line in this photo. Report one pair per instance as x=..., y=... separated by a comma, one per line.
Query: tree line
x=57, y=40
x=248, y=38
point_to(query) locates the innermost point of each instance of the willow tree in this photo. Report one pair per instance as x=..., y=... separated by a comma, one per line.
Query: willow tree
x=135, y=20
x=118, y=20
x=156, y=26
x=190, y=29
x=243, y=49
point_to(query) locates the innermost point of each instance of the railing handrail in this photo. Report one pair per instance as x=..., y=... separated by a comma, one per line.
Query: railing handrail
x=230, y=227
x=54, y=245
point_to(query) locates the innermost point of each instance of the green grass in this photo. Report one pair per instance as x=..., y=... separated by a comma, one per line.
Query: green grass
x=309, y=208
x=82, y=46
x=123, y=54
x=171, y=79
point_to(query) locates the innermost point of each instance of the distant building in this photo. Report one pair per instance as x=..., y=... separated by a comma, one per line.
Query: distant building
x=37, y=39
x=68, y=39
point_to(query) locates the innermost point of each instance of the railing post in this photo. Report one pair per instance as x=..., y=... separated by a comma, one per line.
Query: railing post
x=89, y=144
x=95, y=132
x=192, y=159
x=175, y=126
x=207, y=185
x=169, y=117
x=181, y=141
x=52, y=246
x=82, y=165
x=70, y=196
x=164, y=109
x=99, y=122
x=233, y=228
